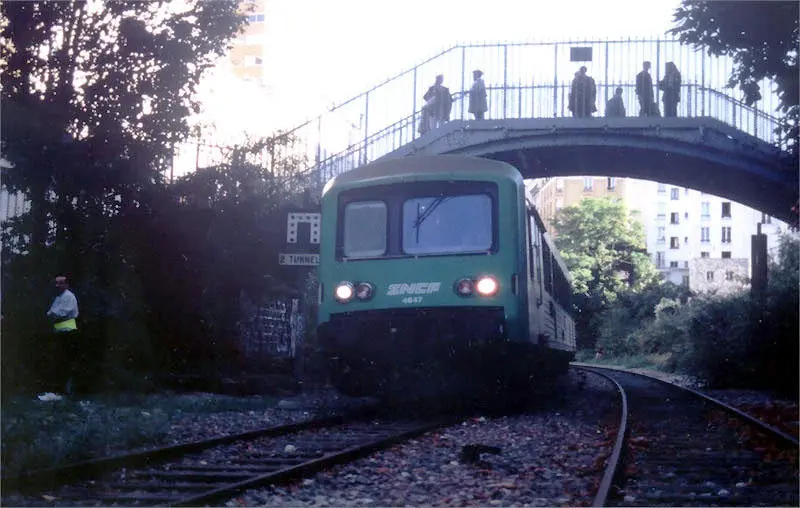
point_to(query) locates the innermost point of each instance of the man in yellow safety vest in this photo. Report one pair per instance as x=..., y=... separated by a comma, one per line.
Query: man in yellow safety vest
x=62, y=315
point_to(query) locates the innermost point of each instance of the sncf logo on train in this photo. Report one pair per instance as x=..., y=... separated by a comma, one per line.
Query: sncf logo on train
x=417, y=288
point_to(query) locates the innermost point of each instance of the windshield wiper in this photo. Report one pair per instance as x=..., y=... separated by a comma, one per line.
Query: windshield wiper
x=427, y=213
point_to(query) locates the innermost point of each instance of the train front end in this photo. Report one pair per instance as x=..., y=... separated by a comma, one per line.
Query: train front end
x=418, y=273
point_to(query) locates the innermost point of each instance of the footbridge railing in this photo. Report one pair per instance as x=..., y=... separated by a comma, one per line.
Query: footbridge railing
x=536, y=102
x=523, y=80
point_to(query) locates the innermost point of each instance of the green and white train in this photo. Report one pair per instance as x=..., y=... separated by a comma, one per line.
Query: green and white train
x=437, y=275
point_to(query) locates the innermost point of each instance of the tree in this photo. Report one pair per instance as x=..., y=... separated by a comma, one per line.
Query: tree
x=223, y=227
x=763, y=40
x=603, y=247
x=94, y=96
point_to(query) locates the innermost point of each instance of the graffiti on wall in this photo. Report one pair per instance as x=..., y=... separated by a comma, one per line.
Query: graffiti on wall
x=271, y=328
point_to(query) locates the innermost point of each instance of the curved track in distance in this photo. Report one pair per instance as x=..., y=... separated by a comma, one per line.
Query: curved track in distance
x=679, y=447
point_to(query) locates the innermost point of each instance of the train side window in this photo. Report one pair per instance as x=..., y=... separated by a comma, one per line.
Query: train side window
x=364, y=229
x=547, y=260
x=533, y=250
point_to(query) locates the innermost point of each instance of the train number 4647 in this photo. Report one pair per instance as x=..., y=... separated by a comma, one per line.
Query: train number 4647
x=412, y=299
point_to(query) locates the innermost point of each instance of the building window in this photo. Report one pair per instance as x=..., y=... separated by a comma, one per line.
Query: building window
x=705, y=234
x=729, y=275
x=674, y=218
x=674, y=194
x=255, y=18
x=559, y=203
x=685, y=280
x=705, y=255
x=662, y=234
x=559, y=184
x=686, y=264
x=662, y=189
x=726, y=209
x=673, y=264
x=726, y=254
x=710, y=276
x=726, y=234
x=686, y=240
x=674, y=243
x=766, y=219
x=588, y=183
x=660, y=256
x=685, y=191
x=662, y=211
x=705, y=210
x=612, y=183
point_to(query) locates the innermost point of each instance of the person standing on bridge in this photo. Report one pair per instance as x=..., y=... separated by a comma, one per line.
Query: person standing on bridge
x=436, y=110
x=615, y=107
x=671, y=86
x=644, y=91
x=477, y=96
x=582, y=95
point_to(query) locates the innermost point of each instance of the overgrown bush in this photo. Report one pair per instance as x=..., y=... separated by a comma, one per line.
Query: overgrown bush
x=736, y=341
x=622, y=330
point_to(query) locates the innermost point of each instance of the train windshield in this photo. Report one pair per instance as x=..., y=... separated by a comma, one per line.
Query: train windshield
x=447, y=224
x=365, y=229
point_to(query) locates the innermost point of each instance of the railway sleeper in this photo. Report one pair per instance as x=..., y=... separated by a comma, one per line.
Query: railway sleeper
x=195, y=475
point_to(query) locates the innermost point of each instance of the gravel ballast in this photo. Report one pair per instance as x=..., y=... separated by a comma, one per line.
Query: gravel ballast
x=555, y=455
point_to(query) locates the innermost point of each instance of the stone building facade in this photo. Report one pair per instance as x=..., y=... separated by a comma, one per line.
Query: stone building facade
x=719, y=276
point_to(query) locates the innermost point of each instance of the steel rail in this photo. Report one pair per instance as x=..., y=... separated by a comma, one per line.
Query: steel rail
x=663, y=451
x=614, y=463
x=33, y=480
x=309, y=467
x=784, y=438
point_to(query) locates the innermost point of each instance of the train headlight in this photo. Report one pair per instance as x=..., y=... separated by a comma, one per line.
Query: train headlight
x=344, y=292
x=487, y=286
x=364, y=291
x=464, y=287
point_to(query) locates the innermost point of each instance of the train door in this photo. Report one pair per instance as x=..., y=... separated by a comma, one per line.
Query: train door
x=535, y=292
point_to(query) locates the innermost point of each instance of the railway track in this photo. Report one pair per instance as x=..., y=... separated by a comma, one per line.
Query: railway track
x=678, y=447
x=207, y=472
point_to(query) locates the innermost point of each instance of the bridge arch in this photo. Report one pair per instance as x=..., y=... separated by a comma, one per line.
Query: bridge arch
x=699, y=153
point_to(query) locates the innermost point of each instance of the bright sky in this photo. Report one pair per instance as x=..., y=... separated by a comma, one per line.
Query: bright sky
x=321, y=52
x=342, y=48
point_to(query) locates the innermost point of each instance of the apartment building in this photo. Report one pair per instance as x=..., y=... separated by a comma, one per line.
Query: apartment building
x=684, y=224
x=552, y=194
x=681, y=225
x=249, y=53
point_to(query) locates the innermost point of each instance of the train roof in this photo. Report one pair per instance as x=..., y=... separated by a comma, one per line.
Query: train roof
x=401, y=168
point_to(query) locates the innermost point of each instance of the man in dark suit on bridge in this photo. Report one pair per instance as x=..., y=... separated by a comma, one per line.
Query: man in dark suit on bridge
x=583, y=95
x=644, y=91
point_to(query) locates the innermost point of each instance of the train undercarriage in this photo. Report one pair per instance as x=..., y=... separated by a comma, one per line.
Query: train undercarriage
x=461, y=351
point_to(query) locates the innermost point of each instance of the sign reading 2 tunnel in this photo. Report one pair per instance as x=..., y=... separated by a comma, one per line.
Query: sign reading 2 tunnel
x=302, y=239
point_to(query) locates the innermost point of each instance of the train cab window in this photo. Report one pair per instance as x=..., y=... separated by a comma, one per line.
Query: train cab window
x=364, y=229
x=447, y=224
